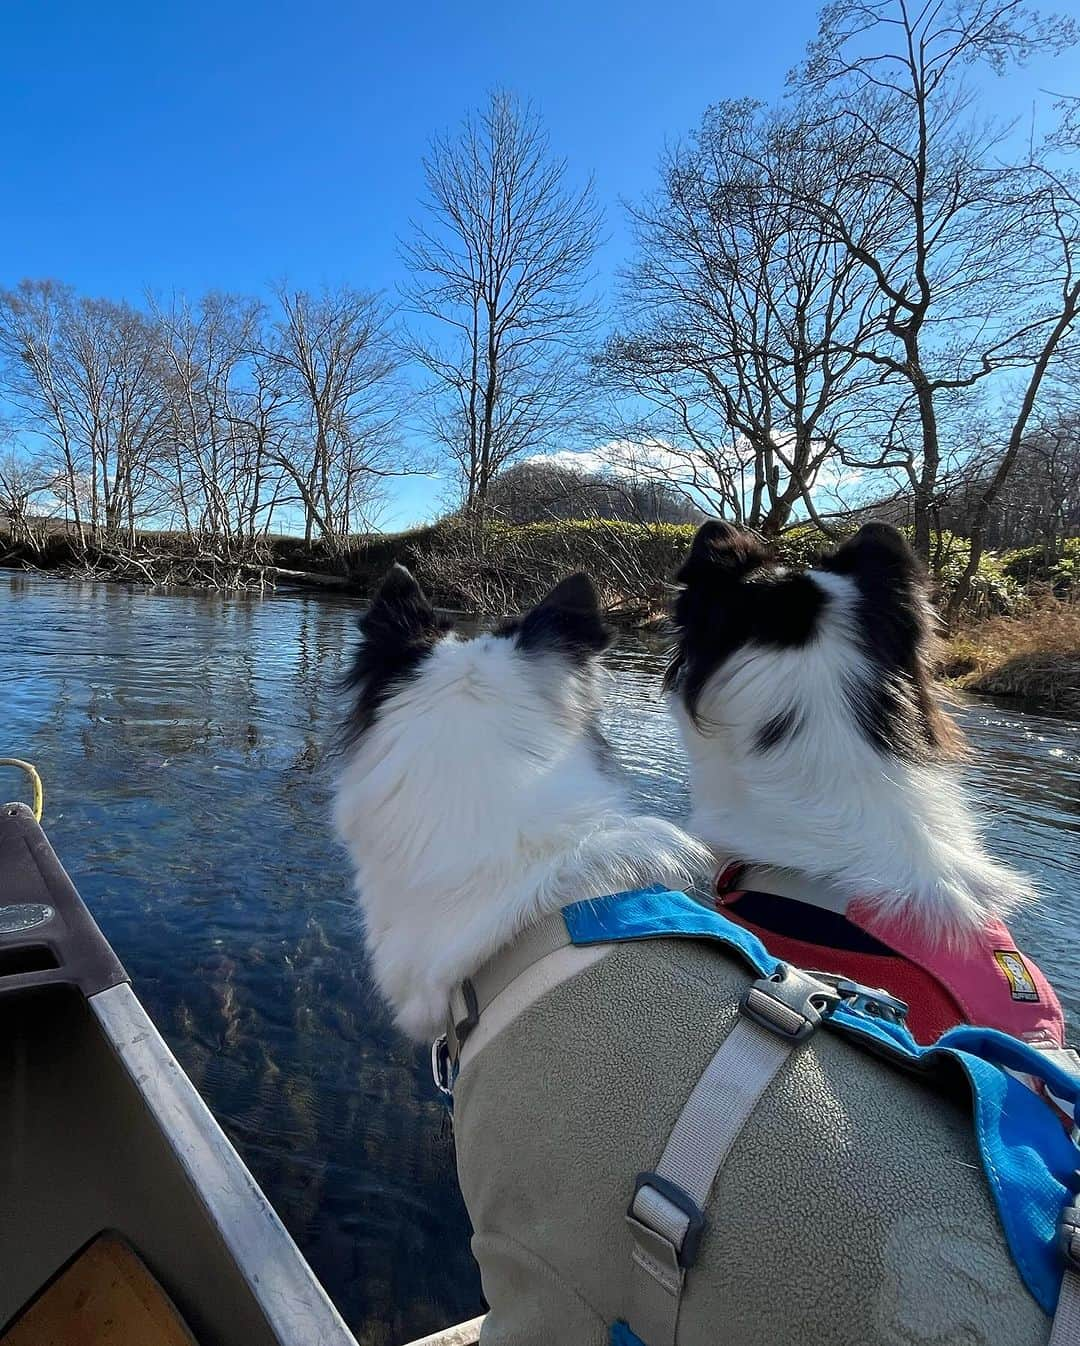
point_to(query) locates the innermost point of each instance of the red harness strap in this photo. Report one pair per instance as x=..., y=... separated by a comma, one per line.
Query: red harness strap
x=988, y=983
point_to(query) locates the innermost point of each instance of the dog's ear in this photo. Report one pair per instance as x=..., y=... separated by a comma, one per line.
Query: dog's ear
x=879, y=554
x=400, y=613
x=890, y=577
x=399, y=629
x=567, y=621
x=715, y=614
x=721, y=552
x=893, y=585
x=895, y=630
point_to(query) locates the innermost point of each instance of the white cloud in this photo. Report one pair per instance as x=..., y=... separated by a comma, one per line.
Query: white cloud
x=626, y=458
x=691, y=470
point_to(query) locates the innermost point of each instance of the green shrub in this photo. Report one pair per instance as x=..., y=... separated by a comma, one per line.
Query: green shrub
x=992, y=589
x=503, y=567
x=1032, y=565
x=803, y=545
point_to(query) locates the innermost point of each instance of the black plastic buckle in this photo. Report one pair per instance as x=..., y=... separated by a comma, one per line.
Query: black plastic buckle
x=463, y=1027
x=790, y=1003
x=1069, y=1236
x=687, y=1251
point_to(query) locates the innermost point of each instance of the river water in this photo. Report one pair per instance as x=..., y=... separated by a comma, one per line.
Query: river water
x=181, y=738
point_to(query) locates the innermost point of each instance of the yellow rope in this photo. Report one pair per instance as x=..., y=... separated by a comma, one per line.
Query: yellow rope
x=31, y=771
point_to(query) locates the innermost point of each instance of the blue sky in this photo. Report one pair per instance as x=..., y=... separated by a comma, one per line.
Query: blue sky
x=226, y=145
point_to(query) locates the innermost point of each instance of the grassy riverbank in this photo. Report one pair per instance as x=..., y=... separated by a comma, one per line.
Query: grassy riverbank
x=497, y=567
x=1021, y=636
x=1034, y=654
x=480, y=571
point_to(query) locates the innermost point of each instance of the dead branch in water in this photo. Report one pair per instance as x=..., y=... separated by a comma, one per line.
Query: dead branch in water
x=155, y=563
x=316, y=579
x=164, y=570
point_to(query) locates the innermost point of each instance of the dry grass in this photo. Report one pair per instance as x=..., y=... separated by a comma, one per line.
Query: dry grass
x=1034, y=655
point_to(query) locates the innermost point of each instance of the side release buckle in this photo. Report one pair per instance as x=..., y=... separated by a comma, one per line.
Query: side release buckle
x=1069, y=1235
x=791, y=1003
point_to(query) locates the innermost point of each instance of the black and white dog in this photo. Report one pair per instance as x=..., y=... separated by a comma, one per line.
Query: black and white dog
x=475, y=801
x=823, y=775
x=477, y=798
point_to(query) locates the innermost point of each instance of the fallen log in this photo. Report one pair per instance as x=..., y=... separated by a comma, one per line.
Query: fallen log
x=316, y=579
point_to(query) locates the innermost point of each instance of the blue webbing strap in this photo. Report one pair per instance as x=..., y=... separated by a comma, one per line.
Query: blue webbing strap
x=1029, y=1161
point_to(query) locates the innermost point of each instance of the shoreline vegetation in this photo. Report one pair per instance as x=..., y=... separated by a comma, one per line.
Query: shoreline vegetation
x=1018, y=636
x=1033, y=655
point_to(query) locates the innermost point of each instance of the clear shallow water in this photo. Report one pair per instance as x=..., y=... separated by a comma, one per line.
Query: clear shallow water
x=181, y=738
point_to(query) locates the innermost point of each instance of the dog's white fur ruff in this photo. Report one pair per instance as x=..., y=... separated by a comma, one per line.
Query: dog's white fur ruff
x=825, y=802
x=475, y=805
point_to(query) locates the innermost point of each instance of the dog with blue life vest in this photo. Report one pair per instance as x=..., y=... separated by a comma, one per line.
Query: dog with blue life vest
x=663, y=1135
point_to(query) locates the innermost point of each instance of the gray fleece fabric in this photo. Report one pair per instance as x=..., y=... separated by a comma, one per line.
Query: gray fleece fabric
x=852, y=1210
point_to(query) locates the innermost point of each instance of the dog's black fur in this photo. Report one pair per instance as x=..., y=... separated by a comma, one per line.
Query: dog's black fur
x=401, y=628
x=568, y=620
x=895, y=630
x=735, y=593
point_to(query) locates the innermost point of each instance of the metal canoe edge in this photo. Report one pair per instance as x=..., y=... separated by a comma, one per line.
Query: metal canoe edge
x=294, y=1303
x=464, y=1334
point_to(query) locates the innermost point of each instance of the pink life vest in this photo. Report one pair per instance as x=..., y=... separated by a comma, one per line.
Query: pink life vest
x=985, y=980
x=991, y=981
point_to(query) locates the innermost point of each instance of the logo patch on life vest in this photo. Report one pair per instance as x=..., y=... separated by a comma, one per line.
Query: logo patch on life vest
x=1021, y=983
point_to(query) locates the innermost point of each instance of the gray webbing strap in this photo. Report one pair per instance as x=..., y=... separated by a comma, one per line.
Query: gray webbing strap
x=471, y=997
x=1066, y=1329
x=666, y=1215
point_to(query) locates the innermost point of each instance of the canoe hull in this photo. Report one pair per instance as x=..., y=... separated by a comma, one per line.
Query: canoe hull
x=103, y=1130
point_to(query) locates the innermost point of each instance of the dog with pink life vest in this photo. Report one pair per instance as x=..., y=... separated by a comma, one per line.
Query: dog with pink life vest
x=824, y=780
x=664, y=1135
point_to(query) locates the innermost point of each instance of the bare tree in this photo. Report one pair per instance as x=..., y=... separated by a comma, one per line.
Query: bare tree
x=198, y=413
x=1043, y=492
x=25, y=482
x=263, y=435
x=742, y=320
x=952, y=237
x=333, y=360
x=86, y=376
x=116, y=375
x=1062, y=258
x=1040, y=501
x=497, y=270
x=207, y=347
x=33, y=330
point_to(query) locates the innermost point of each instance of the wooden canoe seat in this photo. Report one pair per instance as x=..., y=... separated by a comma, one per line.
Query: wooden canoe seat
x=105, y=1297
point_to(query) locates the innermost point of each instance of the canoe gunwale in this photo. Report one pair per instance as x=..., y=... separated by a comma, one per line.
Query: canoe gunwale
x=33, y=876
x=75, y=957
x=295, y=1305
